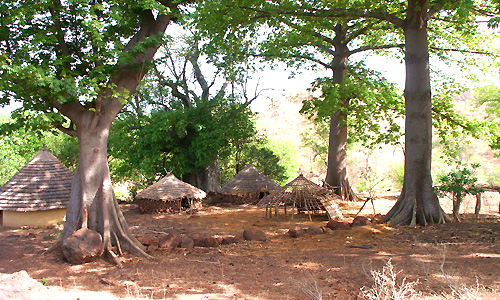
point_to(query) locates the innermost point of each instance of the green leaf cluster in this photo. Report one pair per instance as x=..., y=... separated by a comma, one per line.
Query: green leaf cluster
x=181, y=141
x=18, y=144
x=63, y=51
x=461, y=182
x=373, y=106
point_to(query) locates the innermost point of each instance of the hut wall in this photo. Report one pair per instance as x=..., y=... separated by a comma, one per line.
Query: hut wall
x=33, y=218
x=241, y=198
x=158, y=206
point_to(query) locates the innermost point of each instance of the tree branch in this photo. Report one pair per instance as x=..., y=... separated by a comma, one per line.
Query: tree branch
x=199, y=77
x=367, y=48
x=332, y=13
x=175, y=91
x=464, y=51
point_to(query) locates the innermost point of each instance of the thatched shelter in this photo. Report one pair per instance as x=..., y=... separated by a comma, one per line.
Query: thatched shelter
x=169, y=195
x=38, y=194
x=250, y=185
x=302, y=194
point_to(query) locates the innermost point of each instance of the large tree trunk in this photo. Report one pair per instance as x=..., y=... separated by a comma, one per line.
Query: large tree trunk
x=336, y=173
x=207, y=179
x=417, y=203
x=93, y=204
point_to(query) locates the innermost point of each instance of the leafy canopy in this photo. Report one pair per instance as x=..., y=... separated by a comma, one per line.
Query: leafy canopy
x=54, y=52
x=374, y=106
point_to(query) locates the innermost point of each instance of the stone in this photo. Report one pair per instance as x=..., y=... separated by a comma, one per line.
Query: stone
x=148, y=240
x=360, y=221
x=187, y=243
x=296, y=232
x=83, y=246
x=336, y=225
x=378, y=219
x=170, y=241
x=228, y=240
x=254, y=234
x=207, y=242
x=314, y=230
x=239, y=238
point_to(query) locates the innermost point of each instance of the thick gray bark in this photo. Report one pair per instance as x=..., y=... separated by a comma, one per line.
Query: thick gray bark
x=417, y=203
x=336, y=173
x=207, y=179
x=93, y=204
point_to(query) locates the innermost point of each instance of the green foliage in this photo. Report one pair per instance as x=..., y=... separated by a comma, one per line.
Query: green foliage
x=18, y=144
x=373, y=109
x=66, y=51
x=296, y=32
x=460, y=182
x=181, y=141
x=261, y=153
x=489, y=96
x=288, y=157
x=395, y=173
x=16, y=149
x=316, y=140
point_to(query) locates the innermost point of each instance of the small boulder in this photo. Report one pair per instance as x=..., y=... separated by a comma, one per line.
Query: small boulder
x=239, y=238
x=83, y=246
x=228, y=240
x=147, y=240
x=378, y=219
x=208, y=242
x=254, y=234
x=296, y=232
x=187, y=243
x=314, y=230
x=360, y=221
x=336, y=225
x=170, y=241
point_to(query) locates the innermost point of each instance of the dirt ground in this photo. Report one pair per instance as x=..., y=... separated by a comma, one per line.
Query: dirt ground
x=461, y=259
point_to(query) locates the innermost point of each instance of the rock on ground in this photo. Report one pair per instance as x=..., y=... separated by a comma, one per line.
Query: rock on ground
x=20, y=286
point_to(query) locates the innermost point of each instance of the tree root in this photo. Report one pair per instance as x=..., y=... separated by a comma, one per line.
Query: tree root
x=114, y=258
x=54, y=248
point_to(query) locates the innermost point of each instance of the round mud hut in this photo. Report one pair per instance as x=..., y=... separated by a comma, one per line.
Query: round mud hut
x=38, y=194
x=169, y=195
x=248, y=186
x=302, y=195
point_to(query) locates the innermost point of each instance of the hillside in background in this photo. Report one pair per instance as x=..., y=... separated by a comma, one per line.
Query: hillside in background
x=377, y=170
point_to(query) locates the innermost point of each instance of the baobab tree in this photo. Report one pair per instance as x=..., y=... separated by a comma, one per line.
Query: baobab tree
x=74, y=64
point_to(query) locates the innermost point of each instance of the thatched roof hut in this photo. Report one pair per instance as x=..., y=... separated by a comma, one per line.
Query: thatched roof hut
x=38, y=194
x=250, y=184
x=303, y=195
x=169, y=195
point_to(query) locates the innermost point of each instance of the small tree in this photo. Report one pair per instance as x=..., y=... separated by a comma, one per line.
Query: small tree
x=460, y=182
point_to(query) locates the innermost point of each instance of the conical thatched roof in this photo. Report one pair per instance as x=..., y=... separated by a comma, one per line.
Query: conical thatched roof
x=304, y=194
x=170, y=188
x=43, y=183
x=249, y=180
